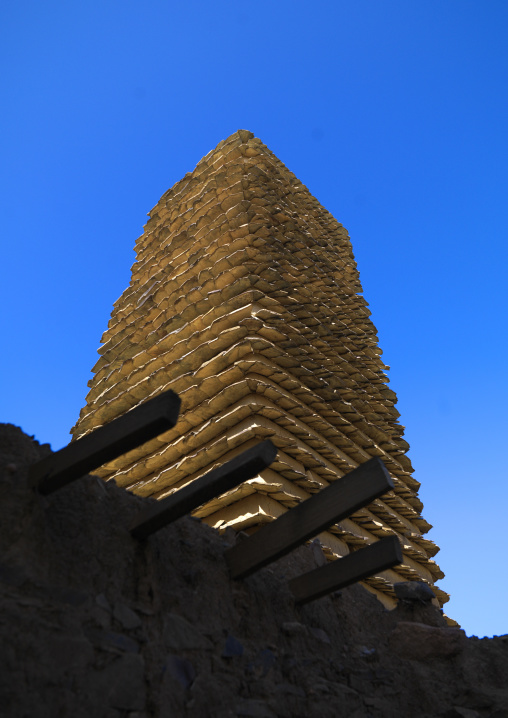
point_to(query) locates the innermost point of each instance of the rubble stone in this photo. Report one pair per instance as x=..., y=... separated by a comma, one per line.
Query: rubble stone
x=414, y=591
x=421, y=642
x=62, y=656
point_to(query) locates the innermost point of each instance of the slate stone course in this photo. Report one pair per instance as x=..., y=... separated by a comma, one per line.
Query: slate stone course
x=246, y=300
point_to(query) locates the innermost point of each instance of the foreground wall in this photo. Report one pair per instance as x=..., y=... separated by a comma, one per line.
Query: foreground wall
x=93, y=623
x=245, y=300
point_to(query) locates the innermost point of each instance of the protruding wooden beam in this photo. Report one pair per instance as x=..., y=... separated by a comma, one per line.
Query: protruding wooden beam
x=243, y=467
x=331, y=504
x=365, y=562
x=106, y=443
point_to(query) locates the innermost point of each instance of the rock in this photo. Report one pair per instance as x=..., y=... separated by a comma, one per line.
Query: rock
x=349, y=699
x=179, y=635
x=12, y=575
x=368, y=653
x=458, y=712
x=362, y=680
x=123, y=682
x=254, y=709
x=420, y=642
x=103, y=602
x=320, y=634
x=181, y=669
x=288, y=689
x=414, y=591
x=262, y=664
x=420, y=612
x=317, y=553
x=67, y=595
x=380, y=705
x=126, y=616
x=70, y=653
x=383, y=676
x=320, y=685
x=112, y=640
x=232, y=648
x=191, y=577
x=245, y=135
x=293, y=628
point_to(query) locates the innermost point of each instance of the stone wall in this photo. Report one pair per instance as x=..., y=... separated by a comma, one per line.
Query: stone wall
x=93, y=623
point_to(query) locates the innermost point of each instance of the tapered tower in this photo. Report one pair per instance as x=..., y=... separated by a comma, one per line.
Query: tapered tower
x=245, y=299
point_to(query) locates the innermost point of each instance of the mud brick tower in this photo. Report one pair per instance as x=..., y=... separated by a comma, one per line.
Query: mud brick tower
x=245, y=299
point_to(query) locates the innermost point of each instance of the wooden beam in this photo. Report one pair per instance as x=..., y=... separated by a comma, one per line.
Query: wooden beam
x=331, y=504
x=365, y=562
x=105, y=443
x=241, y=468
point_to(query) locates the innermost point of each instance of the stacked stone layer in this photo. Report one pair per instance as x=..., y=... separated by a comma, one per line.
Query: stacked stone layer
x=245, y=299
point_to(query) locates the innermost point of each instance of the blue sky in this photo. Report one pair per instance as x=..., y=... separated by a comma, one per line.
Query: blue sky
x=394, y=115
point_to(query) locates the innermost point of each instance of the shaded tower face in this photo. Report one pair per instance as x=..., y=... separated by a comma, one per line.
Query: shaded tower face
x=245, y=300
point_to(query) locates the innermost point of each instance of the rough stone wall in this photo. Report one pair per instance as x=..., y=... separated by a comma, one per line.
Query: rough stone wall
x=93, y=623
x=245, y=300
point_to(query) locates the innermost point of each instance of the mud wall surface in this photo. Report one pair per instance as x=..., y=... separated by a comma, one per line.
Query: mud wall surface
x=94, y=623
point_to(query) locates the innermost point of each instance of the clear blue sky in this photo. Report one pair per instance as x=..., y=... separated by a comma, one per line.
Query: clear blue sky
x=393, y=113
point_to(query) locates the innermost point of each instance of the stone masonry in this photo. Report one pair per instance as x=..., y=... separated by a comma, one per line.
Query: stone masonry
x=245, y=299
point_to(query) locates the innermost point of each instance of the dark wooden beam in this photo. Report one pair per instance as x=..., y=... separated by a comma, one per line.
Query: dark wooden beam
x=216, y=482
x=343, y=572
x=331, y=504
x=105, y=443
